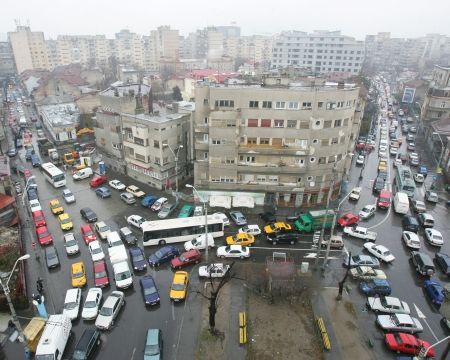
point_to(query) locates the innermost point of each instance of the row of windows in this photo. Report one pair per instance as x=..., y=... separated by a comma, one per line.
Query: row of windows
x=304, y=124
x=287, y=142
x=320, y=51
x=295, y=105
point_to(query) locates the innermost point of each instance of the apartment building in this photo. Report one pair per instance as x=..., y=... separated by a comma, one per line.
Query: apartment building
x=436, y=105
x=7, y=65
x=257, y=48
x=283, y=143
x=319, y=52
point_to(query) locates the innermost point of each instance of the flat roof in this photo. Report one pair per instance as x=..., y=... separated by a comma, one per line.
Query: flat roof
x=61, y=114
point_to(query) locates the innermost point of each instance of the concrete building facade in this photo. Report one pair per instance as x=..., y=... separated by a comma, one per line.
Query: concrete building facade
x=7, y=64
x=436, y=105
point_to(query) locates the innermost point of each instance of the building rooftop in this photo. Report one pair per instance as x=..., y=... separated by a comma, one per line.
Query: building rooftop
x=61, y=114
x=118, y=88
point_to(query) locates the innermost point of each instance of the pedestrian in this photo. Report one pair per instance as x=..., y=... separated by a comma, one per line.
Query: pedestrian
x=65, y=167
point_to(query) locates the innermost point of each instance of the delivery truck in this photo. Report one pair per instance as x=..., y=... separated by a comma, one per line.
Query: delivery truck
x=314, y=220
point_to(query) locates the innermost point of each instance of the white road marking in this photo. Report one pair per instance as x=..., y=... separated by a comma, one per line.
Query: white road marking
x=173, y=311
x=181, y=327
x=132, y=354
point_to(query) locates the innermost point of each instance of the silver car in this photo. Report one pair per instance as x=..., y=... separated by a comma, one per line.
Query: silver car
x=399, y=322
x=238, y=218
x=68, y=196
x=128, y=198
x=166, y=210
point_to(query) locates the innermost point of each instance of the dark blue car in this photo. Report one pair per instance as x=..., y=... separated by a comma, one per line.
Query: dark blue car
x=443, y=261
x=103, y=192
x=32, y=194
x=148, y=200
x=138, y=258
x=163, y=255
x=375, y=287
x=149, y=290
x=434, y=291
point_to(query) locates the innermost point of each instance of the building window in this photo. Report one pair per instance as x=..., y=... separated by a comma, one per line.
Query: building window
x=292, y=124
x=327, y=124
x=156, y=144
x=264, y=141
x=334, y=141
x=320, y=105
x=247, y=159
x=252, y=141
x=306, y=105
x=165, y=160
x=266, y=122
x=224, y=103
x=139, y=157
x=218, y=142
x=278, y=123
x=346, y=122
x=139, y=141
x=205, y=101
x=338, y=123
x=304, y=124
x=69, y=134
x=267, y=104
x=205, y=120
x=280, y=105
x=253, y=104
x=252, y=123
x=205, y=156
x=293, y=105
x=331, y=105
x=273, y=178
x=157, y=161
x=322, y=160
x=442, y=104
x=205, y=137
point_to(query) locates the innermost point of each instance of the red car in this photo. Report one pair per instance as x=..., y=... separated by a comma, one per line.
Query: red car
x=348, y=219
x=407, y=344
x=43, y=235
x=98, y=180
x=27, y=173
x=88, y=234
x=186, y=258
x=101, y=278
x=39, y=218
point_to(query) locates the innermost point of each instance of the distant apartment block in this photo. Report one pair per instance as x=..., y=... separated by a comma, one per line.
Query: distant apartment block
x=436, y=105
x=7, y=64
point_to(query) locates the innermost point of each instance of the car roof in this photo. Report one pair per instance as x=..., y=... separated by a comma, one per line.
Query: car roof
x=71, y=294
x=380, y=282
x=147, y=280
x=86, y=227
x=99, y=264
x=77, y=266
x=404, y=318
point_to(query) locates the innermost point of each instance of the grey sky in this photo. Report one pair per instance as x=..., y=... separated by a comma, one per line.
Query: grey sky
x=357, y=18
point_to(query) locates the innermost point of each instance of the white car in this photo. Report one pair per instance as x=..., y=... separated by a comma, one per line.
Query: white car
x=382, y=147
x=135, y=220
x=399, y=322
x=226, y=221
x=434, y=237
x=117, y=184
x=388, y=304
x=233, y=251
x=71, y=244
x=158, y=204
x=72, y=303
x=355, y=194
x=411, y=240
x=35, y=205
x=213, y=270
x=96, y=251
x=419, y=178
x=250, y=229
x=393, y=151
x=367, y=273
x=379, y=251
x=367, y=211
x=360, y=160
x=102, y=229
x=382, y=153
x=92, y=304
x=398, y=162
x=110, y=310
x=68, y=196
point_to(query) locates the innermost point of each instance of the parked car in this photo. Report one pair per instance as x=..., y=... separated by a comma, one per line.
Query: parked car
x=102, y=229
x=411, y=240
x=71, y=244
x=283, y=238
x=103, y=192
x=65, y=222
x=268, y=217
x=44, y=236
x=418, y=206
x=434, y=291
x=72, y=303
x=250, y=229
x=361, y=260
x=135, y=191
x=277, y=227
x=348, y=219
x=87, y=345
x=137, y=257
x=149, y=291
x=422, y=263
x=127, y=236
x=117, y=184
x=243, y=239
x=55, y=207
x=410, y=223
x=99, y=180
x=399, y=323
x=157, y=205
x=51, y=257
x=388, y=305
x=233, y=251
x=92, y=304
x=128, y=198
x=179, y=288
x=68, y=196
x=39, y=218
x=135, y=220
x=443, y=261
x=163, y=255
x=407, y=344
x=78, y=274
x=96, y=251
x=88, y=215
x=217, y=270
x=101, y=278
x=148, y=200
x=426, y=220
x=238, y=218
x=110, y=309
x=378, y=184
x=434, y=237
x=419, y=178
x=166, y=210
x=431, y=196
x=367, y=273
x=374, y=287
x=186, y=211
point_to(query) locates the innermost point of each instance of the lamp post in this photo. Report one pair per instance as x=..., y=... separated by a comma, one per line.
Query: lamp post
x=11, y=306
x=175, y=154
x=27, y=184
x=442, y=150
x=205, y=210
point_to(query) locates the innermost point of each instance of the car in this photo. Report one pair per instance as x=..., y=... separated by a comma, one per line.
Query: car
x=78, y=274
x=153, y=349
x=399, y=323
x=117, y=184
x=71, y=244
x=127, y=236
x=434, y=237
x=418, y=206
x=268, y=217
x=103, y=192
x=374, y=287
x=179, y=287
x=68, y=196
x=92, y=304
x=186, y=211
x=393, y=151
x=44, y=236
x=39, y=218
x=128, y=198
x=32, y=194
x=414, y=161
x=407, y=344
x=157, y=205
x=367, y=273
x=102, y=229
x=88, y=215
x=361, y=260
x=233, y=251
x=187, y=258
x=226, y=221
x=426, y=220
x=243, y=239
x=367, y=211
x=163, y=255
x=419, y=178
x=135, y=220
x=397, y=162
x=443, y=261
x=382, y=153
x=434, y=291
x=98, y=180
x=250, y=229
x=238, y=218
x=65, y=222
x=379, y=251
x=378, y=184
x=411, y=146
x=135, y=191
x=149, y=291
x=412, y=129
x=87, y=345
x=422, y=263
x=348, y=219
x=166, y=210
x=96, y=251
x=360, y=160
x=217, y=270
x=101, y=278
x=12, y=152
x=388, y=305
x=51, y=257
x=110, y=310
x=56, y=207
x=88, y=234
x=283, y=238
x=276, y=227
x=148, y=200
x=411, y=240
x=137, y=257
x=431, y=196
x=72, y=303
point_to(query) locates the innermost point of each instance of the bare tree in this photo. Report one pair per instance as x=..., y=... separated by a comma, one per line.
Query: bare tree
x=342, y=282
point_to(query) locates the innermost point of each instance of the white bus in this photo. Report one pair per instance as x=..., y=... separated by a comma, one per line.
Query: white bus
x=53, y=175
x=161, y=232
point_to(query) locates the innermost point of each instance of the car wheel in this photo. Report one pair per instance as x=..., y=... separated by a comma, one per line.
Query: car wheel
x=274, y=242
x=162, y=242
x=292, y=242
x=196, y=261
x=222, y=257
x=179, y=268
x=242, y=257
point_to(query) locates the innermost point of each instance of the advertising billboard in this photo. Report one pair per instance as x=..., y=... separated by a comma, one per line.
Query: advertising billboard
x=408, y=95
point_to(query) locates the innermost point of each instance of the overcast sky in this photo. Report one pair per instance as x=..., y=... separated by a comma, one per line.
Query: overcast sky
x=403, y=18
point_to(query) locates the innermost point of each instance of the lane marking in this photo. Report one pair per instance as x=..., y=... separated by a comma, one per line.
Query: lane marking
x=181, y=327
x=132, y=354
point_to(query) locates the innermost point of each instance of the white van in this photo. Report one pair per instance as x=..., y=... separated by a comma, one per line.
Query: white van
x=199, y=243
x=401, y=203
x=54, y=338
x=83, y=174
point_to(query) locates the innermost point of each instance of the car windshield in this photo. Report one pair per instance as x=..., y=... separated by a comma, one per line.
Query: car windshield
x=100, y=274
x=90, y=304
x=97, y=250
x=437, y=237
x=151, y=350
x=78, y=275
x=71, y=243
x=88, y=232
x=51, y=255
x=138, y=257
x=67, y=194
x=105, y=311
x=44, y=234
x=150, y=290
x=66, y=221
x=122, y=276
x=70, y=306
x=103, y=228
x=178, y=287
x=159, y=254
x=182, y=258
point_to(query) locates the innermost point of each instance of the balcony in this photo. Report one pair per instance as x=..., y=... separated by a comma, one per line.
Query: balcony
x=251, y=186
x=275, y=150
x=201, y=128
x=201, y=145
x=271, y=168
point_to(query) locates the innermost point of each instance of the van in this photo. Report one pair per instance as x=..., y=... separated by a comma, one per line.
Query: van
x=87, y=345
x=54, y=338
x=401, y=203
x=410, y=223
x=186, y=211
x=384, y=199
x=422, y=263
x=83, y=174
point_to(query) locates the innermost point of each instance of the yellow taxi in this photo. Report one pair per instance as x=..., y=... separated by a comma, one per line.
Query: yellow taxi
x=56, y=207
x=65, y=222
x=78, y=167
x=243, y=239
x=78, y=274
x=382, y=166
x=277, y=227
x=178, y=290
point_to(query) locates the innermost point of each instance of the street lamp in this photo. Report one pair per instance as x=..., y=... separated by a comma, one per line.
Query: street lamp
x=27, y=184
x=11, y=306
x=205, y=210
x=175, y=154
x=442, y=149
